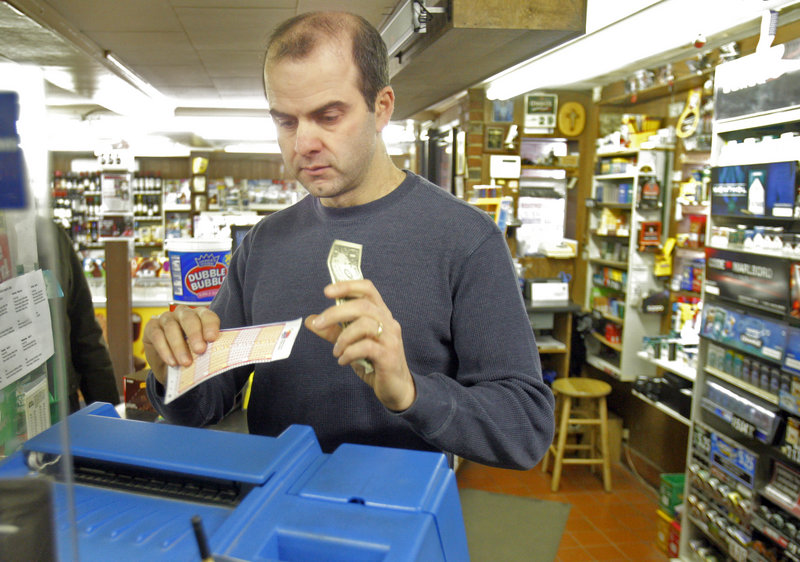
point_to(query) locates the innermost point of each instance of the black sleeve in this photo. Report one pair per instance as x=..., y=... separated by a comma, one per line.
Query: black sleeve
x=90, y=357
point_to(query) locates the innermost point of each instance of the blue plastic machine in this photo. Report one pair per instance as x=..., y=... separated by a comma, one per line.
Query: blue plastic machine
x=138, y=484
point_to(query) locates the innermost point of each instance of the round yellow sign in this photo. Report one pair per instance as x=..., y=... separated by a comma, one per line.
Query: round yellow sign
x=571, y=118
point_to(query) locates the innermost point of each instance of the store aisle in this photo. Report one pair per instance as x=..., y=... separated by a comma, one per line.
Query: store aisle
x=617, y=526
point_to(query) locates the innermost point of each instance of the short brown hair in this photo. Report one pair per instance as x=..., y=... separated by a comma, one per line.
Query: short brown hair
x=297, y=37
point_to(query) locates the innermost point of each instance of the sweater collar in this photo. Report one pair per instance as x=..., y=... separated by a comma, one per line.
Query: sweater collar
x=373, y=207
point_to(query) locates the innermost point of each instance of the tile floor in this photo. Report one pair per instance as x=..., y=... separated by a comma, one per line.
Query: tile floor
x=616, y=526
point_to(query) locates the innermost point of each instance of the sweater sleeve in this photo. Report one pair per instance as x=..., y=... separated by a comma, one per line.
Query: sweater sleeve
x=496, y=410
x=211, y=401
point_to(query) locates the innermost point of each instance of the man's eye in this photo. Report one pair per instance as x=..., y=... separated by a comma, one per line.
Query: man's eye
x=284, y=123
x=330, y=117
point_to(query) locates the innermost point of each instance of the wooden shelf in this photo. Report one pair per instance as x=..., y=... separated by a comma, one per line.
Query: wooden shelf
x=662, y=407
x=625, y=176
x=610, y=263
x=677, y=367
x=617, y=287
x=689, y=294
x=544, y=167
x=625, y=206
x=681, y=83
x=539, y=307
x=608, y=343
x=550, y=345
x=610, y=317
x=603, y=365
x=609, y=234
x=618, y=152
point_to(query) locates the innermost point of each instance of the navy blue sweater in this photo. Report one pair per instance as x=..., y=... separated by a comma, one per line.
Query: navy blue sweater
x=444, y=270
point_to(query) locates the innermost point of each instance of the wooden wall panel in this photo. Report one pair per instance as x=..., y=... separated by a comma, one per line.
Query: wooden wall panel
x=520, y=14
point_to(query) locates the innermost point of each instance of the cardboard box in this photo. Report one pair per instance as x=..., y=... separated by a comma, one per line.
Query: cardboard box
x=671, y=491
x=137, y=405
x=663, y=526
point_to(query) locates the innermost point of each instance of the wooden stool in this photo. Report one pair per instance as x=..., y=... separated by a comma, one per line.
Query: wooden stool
x=594, y=392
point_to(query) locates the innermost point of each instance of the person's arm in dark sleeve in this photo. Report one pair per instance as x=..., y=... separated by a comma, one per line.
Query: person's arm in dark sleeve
x=497, y=410
x=90, y=356
x=209, y=402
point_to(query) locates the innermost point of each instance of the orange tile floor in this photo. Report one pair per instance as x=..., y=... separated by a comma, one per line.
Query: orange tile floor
x=615, y=526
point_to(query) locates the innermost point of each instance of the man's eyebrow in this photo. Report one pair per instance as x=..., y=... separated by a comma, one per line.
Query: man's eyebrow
x=278, y=114
x=322, y=109
x=328, y=106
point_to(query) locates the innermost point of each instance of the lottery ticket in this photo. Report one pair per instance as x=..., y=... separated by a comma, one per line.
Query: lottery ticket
x=234, y=347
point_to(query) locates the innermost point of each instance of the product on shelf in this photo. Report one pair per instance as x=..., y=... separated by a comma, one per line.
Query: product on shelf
x=757, y=281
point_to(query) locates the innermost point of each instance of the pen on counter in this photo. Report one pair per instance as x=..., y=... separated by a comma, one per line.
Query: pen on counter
x=202, y=542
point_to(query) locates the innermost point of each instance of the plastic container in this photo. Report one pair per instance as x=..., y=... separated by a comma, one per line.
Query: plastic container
x=198, y=266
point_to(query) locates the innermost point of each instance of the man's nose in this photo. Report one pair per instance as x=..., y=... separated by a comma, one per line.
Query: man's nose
x=307, y=138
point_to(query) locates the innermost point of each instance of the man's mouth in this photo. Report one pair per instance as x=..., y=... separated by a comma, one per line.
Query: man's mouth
x=314, y=170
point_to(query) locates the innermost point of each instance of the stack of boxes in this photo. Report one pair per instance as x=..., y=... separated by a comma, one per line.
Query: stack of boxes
x=670, y=507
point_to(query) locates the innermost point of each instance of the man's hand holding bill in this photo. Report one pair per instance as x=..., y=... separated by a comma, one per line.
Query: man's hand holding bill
x=370, y=333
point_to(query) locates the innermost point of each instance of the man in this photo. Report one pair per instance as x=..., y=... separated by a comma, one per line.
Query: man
x=439, y=313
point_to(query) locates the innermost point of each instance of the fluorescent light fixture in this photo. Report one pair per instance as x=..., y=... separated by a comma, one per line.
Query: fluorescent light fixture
x=254, y=103
x=255, y=129
x=133, y=78
x=254, y=148
x=652, y=31
x=157, y=145
x=18, y=11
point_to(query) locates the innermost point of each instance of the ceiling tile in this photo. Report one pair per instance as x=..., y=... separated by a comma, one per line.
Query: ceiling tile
x=284, y=4
x=136, y=48
x=223, y=29
x=176, y=75
x=239, y=86
x=230, y=63
x=118, y=15
x=190, y=92
x=374, y=11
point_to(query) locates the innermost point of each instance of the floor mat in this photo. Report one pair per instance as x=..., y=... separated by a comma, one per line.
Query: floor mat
x=512, y=528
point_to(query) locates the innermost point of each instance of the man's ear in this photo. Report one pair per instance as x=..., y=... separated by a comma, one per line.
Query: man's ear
x=384, y=107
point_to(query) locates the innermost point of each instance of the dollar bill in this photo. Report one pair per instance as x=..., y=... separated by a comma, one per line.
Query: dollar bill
x=344, y=264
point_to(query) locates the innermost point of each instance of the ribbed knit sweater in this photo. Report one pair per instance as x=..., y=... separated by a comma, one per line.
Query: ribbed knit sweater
x=444, y=270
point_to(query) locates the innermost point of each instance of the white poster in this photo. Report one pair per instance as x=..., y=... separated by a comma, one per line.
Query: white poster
x=542, y=223
x=26, y=332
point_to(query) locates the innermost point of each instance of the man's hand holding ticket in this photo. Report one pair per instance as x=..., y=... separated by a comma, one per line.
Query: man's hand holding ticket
x=233, y=348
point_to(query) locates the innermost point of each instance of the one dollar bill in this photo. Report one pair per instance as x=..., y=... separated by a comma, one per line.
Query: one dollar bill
x=344, y=264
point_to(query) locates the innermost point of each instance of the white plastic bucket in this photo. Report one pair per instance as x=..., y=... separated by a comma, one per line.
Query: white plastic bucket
x=198, y=266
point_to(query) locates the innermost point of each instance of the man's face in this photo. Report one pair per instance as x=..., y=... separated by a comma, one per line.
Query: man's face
x=326, y=133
